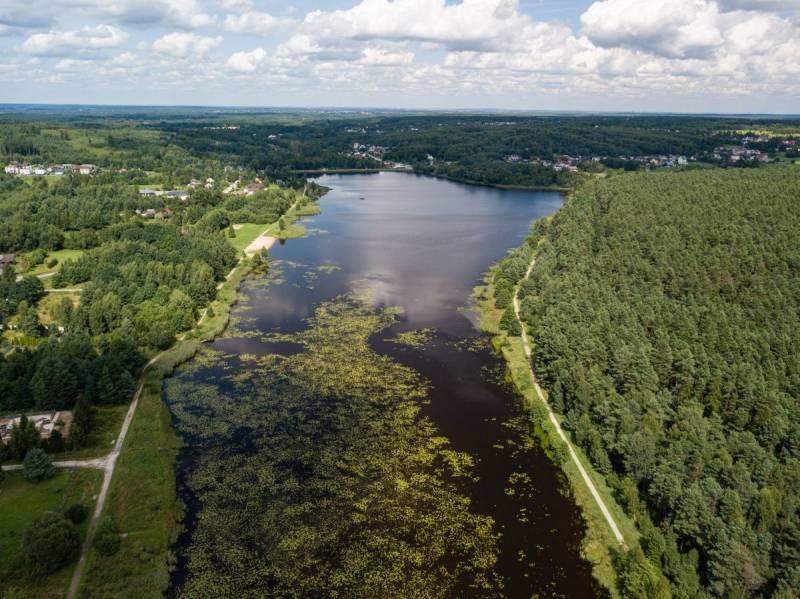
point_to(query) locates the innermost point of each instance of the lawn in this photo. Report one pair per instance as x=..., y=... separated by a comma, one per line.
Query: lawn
x=60, y=255
x=20, y=503
x=245, y=234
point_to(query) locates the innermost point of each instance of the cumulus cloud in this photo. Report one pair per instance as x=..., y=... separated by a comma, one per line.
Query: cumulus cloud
x=253, y=23
x=237, y=6
x=623, y=48
x=246, y=62
x=477, y=24
x=385, y=58
x=673, y=28
x=187, y=14
x=21, y=17
x=85, y=40
x=183, y=45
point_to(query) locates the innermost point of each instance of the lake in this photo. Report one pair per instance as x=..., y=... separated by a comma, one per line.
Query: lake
x=352, y=433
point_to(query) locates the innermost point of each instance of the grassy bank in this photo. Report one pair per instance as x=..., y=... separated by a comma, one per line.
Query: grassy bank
x=599, y=544
x=143, y=500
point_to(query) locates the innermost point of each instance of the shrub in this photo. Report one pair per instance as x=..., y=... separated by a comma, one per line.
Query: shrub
x=52, y=262
x=50, y=542
x=107, y=539
x=76, y=513
x=37, y=465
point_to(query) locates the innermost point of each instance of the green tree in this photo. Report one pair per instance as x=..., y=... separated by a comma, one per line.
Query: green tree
x=50, y=542
x=37, y=465
x=28, y=320
x=76, y=513
x=24, y=437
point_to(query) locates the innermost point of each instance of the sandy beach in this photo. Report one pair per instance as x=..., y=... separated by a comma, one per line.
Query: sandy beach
x=262, y=242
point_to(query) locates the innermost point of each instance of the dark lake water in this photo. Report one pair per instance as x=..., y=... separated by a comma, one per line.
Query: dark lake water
x=419, y=244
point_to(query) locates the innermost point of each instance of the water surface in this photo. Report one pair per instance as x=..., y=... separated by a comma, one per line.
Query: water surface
x=418, y=244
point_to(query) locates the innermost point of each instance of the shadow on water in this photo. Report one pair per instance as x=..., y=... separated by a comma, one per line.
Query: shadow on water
x=419, y=244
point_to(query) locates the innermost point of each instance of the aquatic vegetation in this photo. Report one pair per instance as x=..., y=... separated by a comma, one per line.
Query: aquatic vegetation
x=416, y=339
x=318, y=476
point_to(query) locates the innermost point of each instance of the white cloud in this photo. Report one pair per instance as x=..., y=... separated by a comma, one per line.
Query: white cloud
x=86, y=40
x=237, y=6
x=247, y=62
x=384, y=58
x=183, y=45
x=186, y=14
x=253, y=22
x=469, y=23
x=673, y=28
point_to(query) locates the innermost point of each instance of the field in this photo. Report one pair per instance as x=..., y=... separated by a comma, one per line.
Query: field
x=245, y=234
x=20, y=503
x=60, y=255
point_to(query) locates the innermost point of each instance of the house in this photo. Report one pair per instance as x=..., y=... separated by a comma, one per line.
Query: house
x=167, y=211
x=178, y=194
x=7, y=259
x=193, y=183
x=147, y=193
x=85, y=169
x=253, y=188
x=12, y=168
x=39, y=171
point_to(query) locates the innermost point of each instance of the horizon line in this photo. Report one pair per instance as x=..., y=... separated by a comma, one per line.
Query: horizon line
x=354, y=108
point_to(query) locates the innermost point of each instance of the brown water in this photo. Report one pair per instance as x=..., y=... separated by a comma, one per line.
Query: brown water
x=421, y=244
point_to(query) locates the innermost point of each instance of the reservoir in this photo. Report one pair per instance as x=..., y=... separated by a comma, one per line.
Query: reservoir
x=352, y=433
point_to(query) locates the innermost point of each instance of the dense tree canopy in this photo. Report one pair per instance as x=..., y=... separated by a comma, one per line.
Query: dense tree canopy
x=665, y=311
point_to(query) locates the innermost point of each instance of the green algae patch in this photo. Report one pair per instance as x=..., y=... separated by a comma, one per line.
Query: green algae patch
x=318, y=475
x=416, y=339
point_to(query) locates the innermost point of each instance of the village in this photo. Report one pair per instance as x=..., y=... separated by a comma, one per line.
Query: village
x=39, y=170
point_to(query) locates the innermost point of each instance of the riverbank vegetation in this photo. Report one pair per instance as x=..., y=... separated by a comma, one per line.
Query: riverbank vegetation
x=663, y=309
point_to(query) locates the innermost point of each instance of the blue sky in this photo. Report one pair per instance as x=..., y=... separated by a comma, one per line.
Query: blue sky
x=642, y=55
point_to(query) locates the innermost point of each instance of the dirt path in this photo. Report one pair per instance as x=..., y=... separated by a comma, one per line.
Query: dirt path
x=108, y=465
x=584, y=475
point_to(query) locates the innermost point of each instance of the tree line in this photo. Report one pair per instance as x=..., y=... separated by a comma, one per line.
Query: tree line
x=665, y=313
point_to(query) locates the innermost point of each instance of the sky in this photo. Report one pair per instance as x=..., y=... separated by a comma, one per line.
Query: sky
x=735, y=56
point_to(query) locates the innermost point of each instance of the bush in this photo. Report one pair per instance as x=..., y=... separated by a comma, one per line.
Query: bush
x=52, y=262
x=76, y=513
x=50, y=542
x=107, y=539
x=37, y=465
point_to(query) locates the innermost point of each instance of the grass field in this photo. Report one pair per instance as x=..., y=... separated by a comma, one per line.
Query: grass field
x=60, y=255
x=245, y=234
x=20, y=503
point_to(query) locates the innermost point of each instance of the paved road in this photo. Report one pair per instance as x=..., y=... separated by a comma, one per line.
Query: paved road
x=584, y=475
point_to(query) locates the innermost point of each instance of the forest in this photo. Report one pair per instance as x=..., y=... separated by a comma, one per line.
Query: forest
x=466, y=147
x=664, y=309
x=140, y=281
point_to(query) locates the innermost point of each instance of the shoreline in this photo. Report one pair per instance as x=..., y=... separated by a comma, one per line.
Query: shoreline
x=154, y=512
x=372, y=171
x=262, y=242
x=599, y=543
